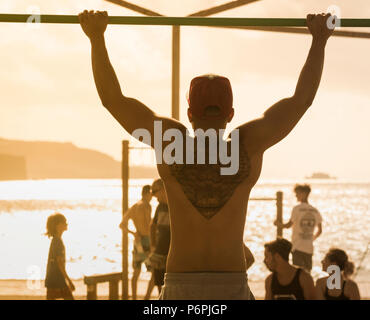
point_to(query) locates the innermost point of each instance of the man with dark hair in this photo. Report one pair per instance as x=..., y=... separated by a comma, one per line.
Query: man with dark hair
x=304, y=219
x=140, y=214
x=286, y=281
x=207, y=199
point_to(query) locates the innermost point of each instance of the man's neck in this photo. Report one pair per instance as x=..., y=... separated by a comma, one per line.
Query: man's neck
x=285, y=270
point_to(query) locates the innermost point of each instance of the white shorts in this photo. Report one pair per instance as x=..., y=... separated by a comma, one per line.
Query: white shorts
x=206, y=286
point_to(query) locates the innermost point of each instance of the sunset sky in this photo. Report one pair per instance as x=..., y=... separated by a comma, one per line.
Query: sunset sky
x=48, y=93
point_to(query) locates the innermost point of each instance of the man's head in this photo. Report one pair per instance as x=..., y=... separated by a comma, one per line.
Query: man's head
x=146, y=193
x=159, y=191
x=277, y=253
x=302, y=191
x=210, y=102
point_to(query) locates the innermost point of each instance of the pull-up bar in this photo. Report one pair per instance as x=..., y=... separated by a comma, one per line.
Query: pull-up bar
x=183, y=21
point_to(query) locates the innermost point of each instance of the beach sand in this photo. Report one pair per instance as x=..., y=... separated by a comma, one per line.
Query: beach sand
x=20, y=290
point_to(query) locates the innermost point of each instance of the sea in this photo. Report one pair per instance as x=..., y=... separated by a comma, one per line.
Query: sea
x=93, y=209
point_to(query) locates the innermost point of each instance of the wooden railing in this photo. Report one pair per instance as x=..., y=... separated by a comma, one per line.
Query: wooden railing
x=92, y=282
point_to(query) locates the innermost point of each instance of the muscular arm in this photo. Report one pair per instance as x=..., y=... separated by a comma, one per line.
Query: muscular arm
x=129, y=112
x=279, y=120
x=308, y=286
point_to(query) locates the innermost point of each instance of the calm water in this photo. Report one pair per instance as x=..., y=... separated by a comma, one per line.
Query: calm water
x=93, y=211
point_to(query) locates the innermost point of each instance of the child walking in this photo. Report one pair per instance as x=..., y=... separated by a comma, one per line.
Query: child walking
x=58, y=284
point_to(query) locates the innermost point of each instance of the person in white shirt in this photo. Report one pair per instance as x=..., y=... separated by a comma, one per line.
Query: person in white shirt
x=304, y=219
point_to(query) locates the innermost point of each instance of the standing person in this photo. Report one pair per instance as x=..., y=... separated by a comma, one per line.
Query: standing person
x=140, y=214
x=348, y=288
x=304, y=219
x=58, y=284
x=207, y=200
x=286, y=281
x=160, y=235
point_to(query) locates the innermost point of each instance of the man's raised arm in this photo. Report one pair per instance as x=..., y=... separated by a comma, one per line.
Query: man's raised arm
x=281, y=118
x=129, y=112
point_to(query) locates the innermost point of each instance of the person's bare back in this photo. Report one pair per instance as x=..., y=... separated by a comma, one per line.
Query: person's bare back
x=208, y=212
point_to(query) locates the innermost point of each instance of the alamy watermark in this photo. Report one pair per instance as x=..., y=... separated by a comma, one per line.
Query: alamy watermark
x=34, y=20
x=34, y=277
x=174, y=151
x=334, y=21
x=334, y=279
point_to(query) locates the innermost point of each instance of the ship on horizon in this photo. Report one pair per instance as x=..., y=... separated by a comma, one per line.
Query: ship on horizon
x=320, y=175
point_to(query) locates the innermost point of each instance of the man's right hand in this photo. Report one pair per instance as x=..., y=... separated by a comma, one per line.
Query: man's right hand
x=93, y=23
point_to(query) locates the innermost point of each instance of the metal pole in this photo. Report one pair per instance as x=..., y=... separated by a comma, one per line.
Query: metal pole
x=125, y=177
x=177, y=21
x=176, y=72
x=279, y=212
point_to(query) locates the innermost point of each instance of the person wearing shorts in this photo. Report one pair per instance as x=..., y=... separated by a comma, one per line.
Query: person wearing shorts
x=140, y=214
x=304, y=219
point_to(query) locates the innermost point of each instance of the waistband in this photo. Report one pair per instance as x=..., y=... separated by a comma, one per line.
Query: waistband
x=224, y=278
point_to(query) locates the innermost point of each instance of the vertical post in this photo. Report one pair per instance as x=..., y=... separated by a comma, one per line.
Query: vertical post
x=279, y=212
x=176, y=72
x=91, y=292
x=113, y=290
x=125, y=177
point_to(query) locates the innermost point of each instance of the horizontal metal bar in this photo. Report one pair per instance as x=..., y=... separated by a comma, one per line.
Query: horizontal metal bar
x=183, y=21
x=337, y=33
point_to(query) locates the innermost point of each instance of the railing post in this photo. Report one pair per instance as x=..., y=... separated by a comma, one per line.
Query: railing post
x=113, y=290
x=279, y=213
x=175, y=72
x=125, y=177
x=91, y=292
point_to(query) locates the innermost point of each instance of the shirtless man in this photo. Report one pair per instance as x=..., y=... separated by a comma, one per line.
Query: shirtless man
x=140, y=214
x=286, y=282
x=207, y=208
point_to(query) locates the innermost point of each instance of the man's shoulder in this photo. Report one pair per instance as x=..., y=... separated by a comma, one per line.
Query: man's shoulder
x=304, y=276
x=140, y=206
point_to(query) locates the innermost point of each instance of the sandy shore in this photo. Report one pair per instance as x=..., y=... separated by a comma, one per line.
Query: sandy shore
x=23, y=290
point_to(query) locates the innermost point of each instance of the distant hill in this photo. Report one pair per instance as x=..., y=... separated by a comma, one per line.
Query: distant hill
x=55, y=160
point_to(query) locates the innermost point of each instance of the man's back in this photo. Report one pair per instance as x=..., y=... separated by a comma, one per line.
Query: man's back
x=140, y=213
x=305, y=218
x=208, y=235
